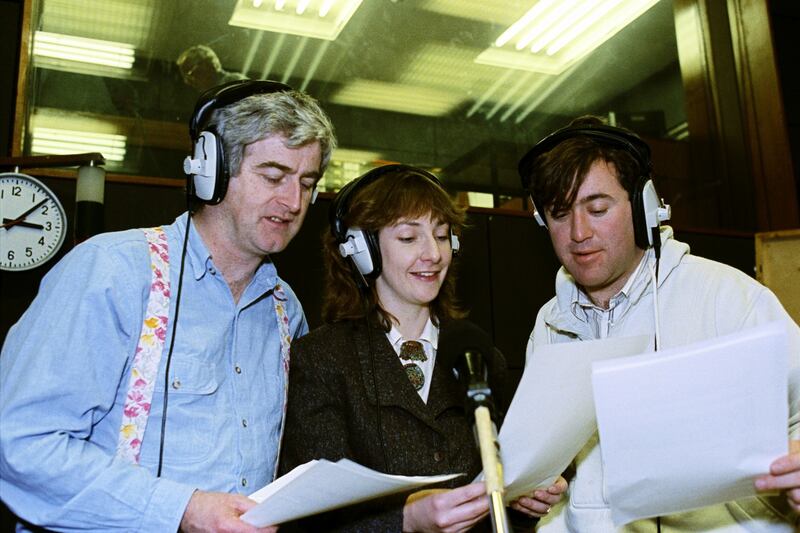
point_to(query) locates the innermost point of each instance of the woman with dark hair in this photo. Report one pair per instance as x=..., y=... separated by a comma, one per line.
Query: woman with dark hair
x=368, y=385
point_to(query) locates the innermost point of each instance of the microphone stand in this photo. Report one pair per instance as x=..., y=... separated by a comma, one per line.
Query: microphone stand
x=473, y=373
x=492, y=468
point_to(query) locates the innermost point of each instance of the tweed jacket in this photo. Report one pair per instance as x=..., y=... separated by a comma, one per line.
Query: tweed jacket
x=349, y=397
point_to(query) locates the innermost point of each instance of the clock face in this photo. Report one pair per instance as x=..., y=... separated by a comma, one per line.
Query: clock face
x=34, y=224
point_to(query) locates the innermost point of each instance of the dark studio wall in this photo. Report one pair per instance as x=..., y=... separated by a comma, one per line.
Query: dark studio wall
x=10, y=17
x=785, y=18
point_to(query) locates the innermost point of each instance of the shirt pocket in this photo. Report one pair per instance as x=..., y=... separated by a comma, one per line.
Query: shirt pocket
x=195, y=413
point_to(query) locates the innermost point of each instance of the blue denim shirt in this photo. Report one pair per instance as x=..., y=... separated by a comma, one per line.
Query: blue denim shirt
x=64, y=374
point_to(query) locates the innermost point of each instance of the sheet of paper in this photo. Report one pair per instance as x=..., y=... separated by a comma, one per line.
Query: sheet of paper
x=552, y=413
x=322, y=485
x=693, y=425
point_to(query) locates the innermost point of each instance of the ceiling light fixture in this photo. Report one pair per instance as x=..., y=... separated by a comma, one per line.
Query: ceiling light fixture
x=83, y=50
x=318, y=19
x=60, y=142
x=412, y=99
x=326, y=7
x=563, y=22
x=547, y=20
x=553, y=35
x=526, y=19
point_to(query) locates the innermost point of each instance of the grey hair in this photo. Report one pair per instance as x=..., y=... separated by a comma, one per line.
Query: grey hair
x=293, y=114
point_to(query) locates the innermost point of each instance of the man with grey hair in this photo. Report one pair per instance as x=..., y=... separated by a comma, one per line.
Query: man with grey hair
x=187, y=325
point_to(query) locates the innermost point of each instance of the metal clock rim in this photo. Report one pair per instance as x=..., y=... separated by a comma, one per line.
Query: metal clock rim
x=62, y=213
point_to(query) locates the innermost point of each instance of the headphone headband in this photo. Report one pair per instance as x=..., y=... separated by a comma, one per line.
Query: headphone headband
x=341, y=203
x=610, y=135
x=228, y=93
x=648, y=211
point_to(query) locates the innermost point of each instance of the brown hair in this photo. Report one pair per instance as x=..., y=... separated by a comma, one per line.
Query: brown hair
x=395, y=195
x=560, y=172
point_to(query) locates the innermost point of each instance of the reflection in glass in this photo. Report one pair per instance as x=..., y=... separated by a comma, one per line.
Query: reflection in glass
x=423, y=67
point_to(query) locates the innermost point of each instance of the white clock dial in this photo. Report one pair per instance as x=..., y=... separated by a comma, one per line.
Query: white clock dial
x=34, y=223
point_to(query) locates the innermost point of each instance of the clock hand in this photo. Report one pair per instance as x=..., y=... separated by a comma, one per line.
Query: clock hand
x=28, y=212
x=8, y=223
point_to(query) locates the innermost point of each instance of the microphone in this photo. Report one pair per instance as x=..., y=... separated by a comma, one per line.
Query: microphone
x=465, y=347
x=468, y=352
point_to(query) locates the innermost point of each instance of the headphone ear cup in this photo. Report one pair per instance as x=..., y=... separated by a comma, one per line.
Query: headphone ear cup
x=455, y=244
x=374, y=246
x=207, y=169
x=201, y=166
x=538, y=214
x=645, y=204
x=362, y=247
x=221, y=175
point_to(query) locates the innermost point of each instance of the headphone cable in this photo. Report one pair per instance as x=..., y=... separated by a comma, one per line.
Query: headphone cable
x=654, y=277
x=172, y=341
x=379, y=422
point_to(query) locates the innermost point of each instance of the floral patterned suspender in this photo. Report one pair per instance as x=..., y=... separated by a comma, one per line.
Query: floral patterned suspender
x=278, y=297
x=148, y=352
x=151, y=347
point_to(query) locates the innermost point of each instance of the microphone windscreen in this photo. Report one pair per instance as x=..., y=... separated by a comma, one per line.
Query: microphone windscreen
x=460, y=336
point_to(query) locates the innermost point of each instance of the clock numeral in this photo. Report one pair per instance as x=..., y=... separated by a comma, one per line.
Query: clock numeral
x=41, y=241
x=28, y=252
x=16, y=190
x=48, y=226
x=33, y=198
x=11, y=255
x=44, y=209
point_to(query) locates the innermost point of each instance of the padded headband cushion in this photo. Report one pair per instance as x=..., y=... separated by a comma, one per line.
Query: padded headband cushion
x=228, y=93
x=616, y=137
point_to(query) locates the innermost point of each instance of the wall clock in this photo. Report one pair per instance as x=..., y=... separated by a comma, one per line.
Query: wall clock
x=34, y=223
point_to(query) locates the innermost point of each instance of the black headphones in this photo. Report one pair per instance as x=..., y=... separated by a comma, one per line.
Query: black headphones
x=208, y=166
x=360, y=245
x=648, y=209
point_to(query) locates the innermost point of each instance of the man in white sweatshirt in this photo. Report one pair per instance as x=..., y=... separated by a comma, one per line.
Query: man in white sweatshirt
x=591, y=187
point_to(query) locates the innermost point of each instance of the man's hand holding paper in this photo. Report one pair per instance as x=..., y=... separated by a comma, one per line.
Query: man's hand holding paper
x=784, y=476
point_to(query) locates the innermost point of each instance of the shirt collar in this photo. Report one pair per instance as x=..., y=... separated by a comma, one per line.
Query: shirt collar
x=198, y=258
x=430, y=335
x=582, y=300
x=201, y=262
